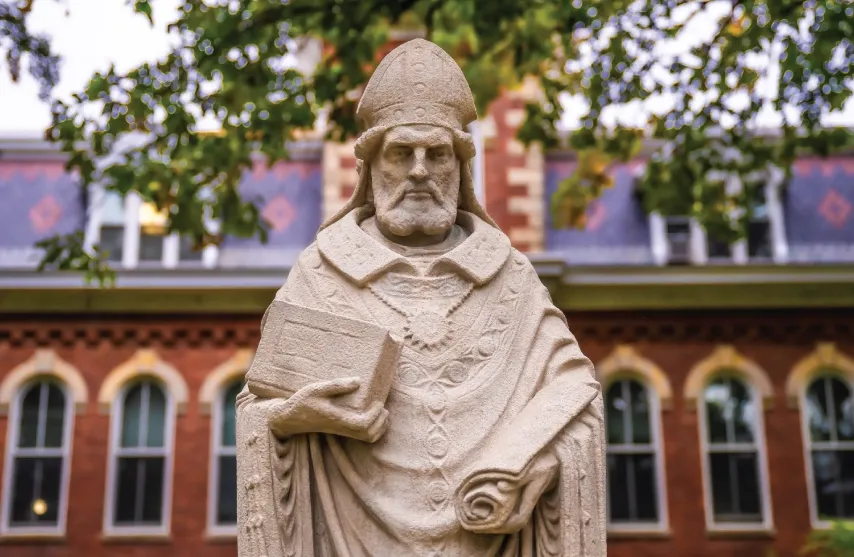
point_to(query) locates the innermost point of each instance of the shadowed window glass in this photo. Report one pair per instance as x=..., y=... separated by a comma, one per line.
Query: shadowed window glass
x=632, y=455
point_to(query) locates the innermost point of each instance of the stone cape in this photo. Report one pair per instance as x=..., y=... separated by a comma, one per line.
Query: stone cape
x=506, y=394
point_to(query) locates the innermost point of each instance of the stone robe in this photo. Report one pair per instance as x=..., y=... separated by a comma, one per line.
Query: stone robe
x=506, y=397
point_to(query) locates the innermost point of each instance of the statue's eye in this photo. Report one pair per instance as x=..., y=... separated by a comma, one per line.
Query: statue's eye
x=439, y=153
x=399, y=152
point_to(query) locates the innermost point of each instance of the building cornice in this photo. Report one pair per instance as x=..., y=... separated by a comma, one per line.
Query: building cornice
x=572, y=288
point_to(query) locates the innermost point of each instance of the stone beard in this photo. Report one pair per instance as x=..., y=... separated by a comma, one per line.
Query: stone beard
x=490, y=441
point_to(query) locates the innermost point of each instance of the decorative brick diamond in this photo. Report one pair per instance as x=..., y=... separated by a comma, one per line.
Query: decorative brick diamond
x=45, y=214
x=835, y=209
x=279, y=213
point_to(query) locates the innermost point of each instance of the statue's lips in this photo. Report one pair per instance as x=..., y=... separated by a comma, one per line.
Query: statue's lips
x=419, y=194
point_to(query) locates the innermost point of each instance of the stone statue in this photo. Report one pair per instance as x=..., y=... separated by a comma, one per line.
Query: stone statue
x=415, y=392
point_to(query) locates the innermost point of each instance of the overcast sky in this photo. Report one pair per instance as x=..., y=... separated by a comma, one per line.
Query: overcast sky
x=93, y=34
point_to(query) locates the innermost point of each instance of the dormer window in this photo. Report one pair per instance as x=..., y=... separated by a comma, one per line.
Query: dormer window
x=678, y=230
x=759, y=244
x=677, y=240
x=134, y=232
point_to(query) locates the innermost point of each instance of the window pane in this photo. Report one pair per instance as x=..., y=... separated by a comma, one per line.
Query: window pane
x=645, y=487
x=747, y=468
x=817, y=414
x=35, y=491
x=716, y=397
x=618, y=488
x=226, y=511
x=150, y=247
x=55, y=418
x=28, y=431
x=641, y=430
x=156, y=416
x=152, y=507
x=742, y=410
x=131, y=416
x=227, y=433
x=842, y=409
x=139, y=490
x=759, y=238
x=615, y=411
x=833, y=474
x=186, y=251
x=735, y=498
x=632, y=488
x=717, y=248
x=112, y=242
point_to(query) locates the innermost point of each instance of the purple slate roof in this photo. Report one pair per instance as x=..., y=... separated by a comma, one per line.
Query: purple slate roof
x=617, y=229
x=819, y=210
x=39, y=199
x=818, y=206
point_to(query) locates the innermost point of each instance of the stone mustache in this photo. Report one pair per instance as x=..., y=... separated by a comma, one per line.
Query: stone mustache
x=415, y=392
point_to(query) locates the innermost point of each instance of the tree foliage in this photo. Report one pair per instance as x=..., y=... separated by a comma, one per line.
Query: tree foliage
x=618, y=57
x=837, y=541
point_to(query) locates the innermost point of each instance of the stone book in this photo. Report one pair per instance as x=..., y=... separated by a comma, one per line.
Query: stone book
x=300, y=346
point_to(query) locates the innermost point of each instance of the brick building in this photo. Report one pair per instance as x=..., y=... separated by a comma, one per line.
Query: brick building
x=728, y=370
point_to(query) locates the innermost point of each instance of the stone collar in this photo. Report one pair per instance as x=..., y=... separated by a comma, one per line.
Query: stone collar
x=354, y=253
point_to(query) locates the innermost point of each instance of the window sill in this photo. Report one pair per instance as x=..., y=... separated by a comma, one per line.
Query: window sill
x=741, y=533
x=31, y=537
x=639, y=533
x=224, y=536
x=135, y=537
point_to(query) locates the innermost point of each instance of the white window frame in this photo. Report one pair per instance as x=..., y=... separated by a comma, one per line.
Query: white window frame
x=809, y=444
x=116, y=451
x=13, y=451
x=656, y=447
x=133, y=233
x=759, y=445
x=217, y=450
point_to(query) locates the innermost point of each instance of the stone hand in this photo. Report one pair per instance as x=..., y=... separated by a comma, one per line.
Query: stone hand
x=317, y=408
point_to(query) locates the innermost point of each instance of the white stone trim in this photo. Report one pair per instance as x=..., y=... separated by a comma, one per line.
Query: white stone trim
x=726, y=358
x=218, y=379
x=624, y=362
x=44, y=361
x=115, y=452
x=12, y=451
x=144, y=362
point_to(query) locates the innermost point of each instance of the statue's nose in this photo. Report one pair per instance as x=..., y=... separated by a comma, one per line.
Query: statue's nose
x=418, y=170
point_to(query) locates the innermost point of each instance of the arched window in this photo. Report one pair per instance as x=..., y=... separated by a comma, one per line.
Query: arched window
x=141, y=458
x=37, y=467
x=733, y=454
x=829, y=415
x=635, y=490
x=222, y=516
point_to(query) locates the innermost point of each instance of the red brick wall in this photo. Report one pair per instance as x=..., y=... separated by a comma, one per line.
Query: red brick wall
x=674, y=341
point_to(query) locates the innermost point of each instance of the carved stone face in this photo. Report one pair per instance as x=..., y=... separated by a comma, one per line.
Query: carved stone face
x=415, y=178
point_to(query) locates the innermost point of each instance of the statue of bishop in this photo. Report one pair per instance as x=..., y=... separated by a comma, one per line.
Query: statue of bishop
x=415, y=392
